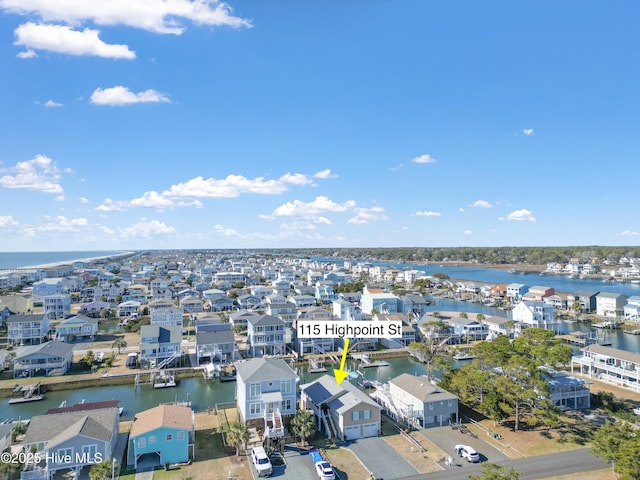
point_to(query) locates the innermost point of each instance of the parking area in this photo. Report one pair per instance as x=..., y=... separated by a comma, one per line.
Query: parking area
x=447, y=438
x=380, y=458
x=297, y=466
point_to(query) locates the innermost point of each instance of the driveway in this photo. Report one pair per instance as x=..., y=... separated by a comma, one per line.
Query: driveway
x=447, y=438
x=298, y=466
x=380, y=458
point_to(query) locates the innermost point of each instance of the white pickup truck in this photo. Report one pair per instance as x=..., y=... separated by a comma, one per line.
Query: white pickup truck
x=323, y=468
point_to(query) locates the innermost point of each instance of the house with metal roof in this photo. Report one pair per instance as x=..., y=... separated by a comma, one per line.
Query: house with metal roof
x=266, y=391
x=266, y=335
x=160, y=346
x=610, y=365
x=69, y=442
x=162, y=435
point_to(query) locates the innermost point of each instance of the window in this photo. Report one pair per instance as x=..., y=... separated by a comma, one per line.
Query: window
x=355, y=416
x=180, y=435
x=285, y=386
x=142, y=442
x=169, y=437
x=152, y=439
x=89, y=451
x=366, y=415
x=286, y=405
x=430, y=405
x=64, y=453
x=254, y=408
x=254, y=390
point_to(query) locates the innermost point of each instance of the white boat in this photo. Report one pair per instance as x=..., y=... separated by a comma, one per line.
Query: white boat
x=636, y=410
x=165, y=382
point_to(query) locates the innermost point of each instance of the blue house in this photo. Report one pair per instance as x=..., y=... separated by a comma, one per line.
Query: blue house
x=161, y=435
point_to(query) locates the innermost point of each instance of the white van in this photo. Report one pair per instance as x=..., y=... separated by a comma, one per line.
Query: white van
x=261, y=461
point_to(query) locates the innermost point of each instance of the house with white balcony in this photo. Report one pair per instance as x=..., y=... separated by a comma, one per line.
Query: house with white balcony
x=191, y=305
x=632, y=309
x=266, y=390
x=218, y=345
x=610, y=365
x=315, y=345
x=324, y=291
x=586, y=299
x=378, y=300
x=535, y=313
x=241, y=317
x=78, y=327
x=408, y=332
x=220, y=304
x=27, y=329
x=609, y=304
x=248, y=302
x=301, y=301
x=566, y=391
x=167, y=317
x=468, y=328
x=266, y=335
x=57, y=305
x=160, y=346
x=277, y=306
x=538, y=292
x=125, y=309
x=515, y=291
x=49, y=358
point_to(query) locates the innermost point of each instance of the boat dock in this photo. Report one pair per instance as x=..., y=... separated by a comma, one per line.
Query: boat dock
x=366, y=361
x=30, y=393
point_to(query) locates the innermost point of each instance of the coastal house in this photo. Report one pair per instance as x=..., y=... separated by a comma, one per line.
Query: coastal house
x=468, y=328
x=324, y=291
x=503, y=326
x=538, y=292
x=167, y=317
x=277, y=306
x=414, y=304
x=48, y=286
x=159, y=304
x=93, y=309
x=314, y=345
x=125, y=309
x=566, y=391
x=408, y=332
x=216, y=346
x=632, y=309
x=265, y=393
x=248, y=302
x=162, y=435
x=49, y=358
x=302, y=301
x=160, y=346
x=609, y=304
x=76, y=327
x=417, y=401
x=229, y=278
x=378, y=300
x=191, y=305
x=342, y=411
x=240, y=318
x=535, y=313
x=27, y=329
x=221, y=304
x=586, y=299
x=266, y=335
x=515, y=291
x=70, y=442
x=610, y=365
x=57, y=305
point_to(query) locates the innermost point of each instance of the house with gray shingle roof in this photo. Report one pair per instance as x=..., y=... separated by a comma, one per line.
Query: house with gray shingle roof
x=266, y=335
x=342, y=411
x=265, y=391
x=76, y=327
x=217, y=345
x=159, y=343
x=70, y=442
x=50, y=358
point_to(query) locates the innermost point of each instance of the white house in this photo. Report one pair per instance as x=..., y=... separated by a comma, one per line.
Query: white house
x=609, y=304
x=167, y=317
x=535, y=313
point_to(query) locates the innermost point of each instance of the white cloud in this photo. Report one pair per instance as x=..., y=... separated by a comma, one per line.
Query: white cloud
x=481, y=204
x=59, y=198
x=528, y=132
x=84, y=200
x=426, y=213
x=119, y=96
x=40, y=173
x=366, y=215
x=461, y=210
x=324, y=174
x=395, y=169
x=629, y=233
x=146, y=229
x=426, y=158
x=53, y=104
x=155, y=200
x=229, y=187
x=296, y=179
x=27, y=54
x=7, y=221
x=109, y=205
x=523, y=215
x=158, y=16
x=467, y=232
x=310, y=210
x=63, y=224
x=66, y=40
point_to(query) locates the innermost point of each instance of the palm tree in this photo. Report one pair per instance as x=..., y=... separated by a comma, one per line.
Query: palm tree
x=480, y=317
x=304, y=425
x=101, y=471
x=120, y=343
x=237, y=435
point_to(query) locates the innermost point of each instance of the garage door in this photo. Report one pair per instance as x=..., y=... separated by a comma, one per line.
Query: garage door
x=351, y=433
x=370, y=430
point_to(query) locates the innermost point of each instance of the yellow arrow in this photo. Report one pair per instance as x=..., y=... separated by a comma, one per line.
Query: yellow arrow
x=342, y=374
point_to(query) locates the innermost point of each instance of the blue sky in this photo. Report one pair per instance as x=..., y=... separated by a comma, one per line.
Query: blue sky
x=135, y=124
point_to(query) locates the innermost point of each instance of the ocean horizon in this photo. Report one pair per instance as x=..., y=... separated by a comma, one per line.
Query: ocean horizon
x=13, y=260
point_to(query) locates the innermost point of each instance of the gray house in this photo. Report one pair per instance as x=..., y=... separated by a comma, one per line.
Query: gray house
x=70, y=442
x=216, y=346
x=50, y=358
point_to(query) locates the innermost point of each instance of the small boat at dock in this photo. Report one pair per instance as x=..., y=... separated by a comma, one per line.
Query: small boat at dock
x=164, y=382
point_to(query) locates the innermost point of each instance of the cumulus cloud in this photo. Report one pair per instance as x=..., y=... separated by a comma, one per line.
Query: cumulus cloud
x=523, y=215
x=310, y=210
x=366, y=215
x=467, y=232
x=324, y=174
x=41, y=173
x=425, y=158
x=158, y=16
x=155, y=200
x=7, y=221
x=481, y=204
x=84, y=200
x=120, y=96
x=27, y=54
x=53, y=104
x=528, y=132
x=426, y=213
x=63, y=224
x=296, y=179
x=109, y=205
x=66, y=40
x=629, y=233
x=145, y=229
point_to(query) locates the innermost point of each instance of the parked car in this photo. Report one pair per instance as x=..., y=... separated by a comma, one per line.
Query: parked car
x=465, y=451
x=323, y=468
x=261, y=461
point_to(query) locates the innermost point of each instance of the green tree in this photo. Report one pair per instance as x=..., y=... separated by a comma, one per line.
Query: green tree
x=238, y=435
x=618, y=443
x=464, y=315
x=120, y=344
x=303, y=424
x=88, y=359
x=101, y=471
x=491, y=471
x=480, y=317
